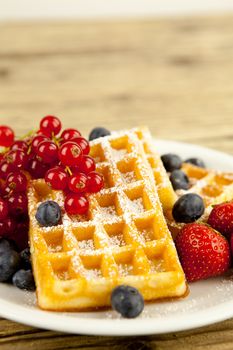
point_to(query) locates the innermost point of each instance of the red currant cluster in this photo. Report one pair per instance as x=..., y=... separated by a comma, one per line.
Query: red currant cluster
x=62, y=160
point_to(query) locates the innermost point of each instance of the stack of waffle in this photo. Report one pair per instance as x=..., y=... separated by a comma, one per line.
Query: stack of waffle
x=124, y=238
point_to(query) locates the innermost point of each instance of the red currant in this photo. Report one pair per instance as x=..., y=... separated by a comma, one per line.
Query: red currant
x=5, y=169
x=95, y=182
x=69, y=134
x=50, y=125
x=2, y=228
x=87, y=165
x=3, y=209
x=76, y=204
x=7, y=228
x=10, y=225
x=70, y=153
x=19, y=145
x=17, y=181
x=36, y=168
x=6, y=136
x=83, y=143
x=6, y=191
x=78, y=183
x=18, y=158
x=21, y=235
x=2, y=184
x=57, y=178
x=37, y=140
x=47, y=151
x=18, y=204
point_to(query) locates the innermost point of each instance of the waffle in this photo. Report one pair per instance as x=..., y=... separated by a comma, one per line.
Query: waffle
x=124, y=238
x=213, y=186
x=167, y=195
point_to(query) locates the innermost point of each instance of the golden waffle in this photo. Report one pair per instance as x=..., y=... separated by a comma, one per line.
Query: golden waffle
x=213, y=186
x=165, y=190
x=124, y=238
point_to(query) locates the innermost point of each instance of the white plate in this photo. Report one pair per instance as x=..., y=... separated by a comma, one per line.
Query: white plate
x=209, y=301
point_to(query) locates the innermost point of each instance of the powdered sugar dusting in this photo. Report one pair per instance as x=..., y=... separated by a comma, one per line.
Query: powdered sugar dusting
x=148, y=234
x=136, y=205
x=128, y=177
x=125, y=269
x=117, y=240
x=117, y=154
x=54, y=248
x=62, y=275
x=92, y=273
x=107, y=212
x=157, y=265
x=86, y=244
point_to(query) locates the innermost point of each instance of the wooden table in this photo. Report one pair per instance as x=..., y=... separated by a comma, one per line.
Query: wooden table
x=174, y=75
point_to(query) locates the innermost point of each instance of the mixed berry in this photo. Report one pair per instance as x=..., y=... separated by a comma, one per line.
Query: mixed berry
x=204, y=249
x=173, y=163
x=203, y=252
x=63, y=161
x=127, y=300
x=48, y=214
x=188, y=208
x=61, y=157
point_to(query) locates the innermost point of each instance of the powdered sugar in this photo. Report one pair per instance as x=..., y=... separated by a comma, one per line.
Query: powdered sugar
x=92, y=273
x=136, y=206
x=54, y=248
x=86, y=244
x=148, y=234
x=107, y=212
x=117, y=240
x=125, y=269
x=128, y=177
x=117, y=154
x=62, y=275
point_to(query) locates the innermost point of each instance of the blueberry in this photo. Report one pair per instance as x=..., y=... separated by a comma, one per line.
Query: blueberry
x=179, y=180
x=98, y=132
x=188, y=208
x=127, y=301
x=48, y=214
x=5, y=245
x=9, y=263
x=195, y=161
x=26, y=258
x=23, y=279
x=171, y=161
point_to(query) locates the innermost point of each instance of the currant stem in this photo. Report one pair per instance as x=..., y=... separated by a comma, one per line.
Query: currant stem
x=30, y=133
x=68, y=170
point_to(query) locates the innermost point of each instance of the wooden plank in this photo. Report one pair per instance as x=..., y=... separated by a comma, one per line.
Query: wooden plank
x=213, y=337
x=174, y=75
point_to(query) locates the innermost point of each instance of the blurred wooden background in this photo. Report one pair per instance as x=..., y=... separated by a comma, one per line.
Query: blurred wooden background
x=175, y=75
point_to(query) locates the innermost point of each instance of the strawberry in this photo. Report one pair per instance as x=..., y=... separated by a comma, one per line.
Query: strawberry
x=221, y=218
x=203, y=251
x=231, y=243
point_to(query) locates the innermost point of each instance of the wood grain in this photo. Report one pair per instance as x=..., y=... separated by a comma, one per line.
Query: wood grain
x=174, y=75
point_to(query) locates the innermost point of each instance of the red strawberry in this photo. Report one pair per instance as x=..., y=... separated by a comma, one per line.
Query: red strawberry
x=203, y=251
x=231, y=243
x=221, y=218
